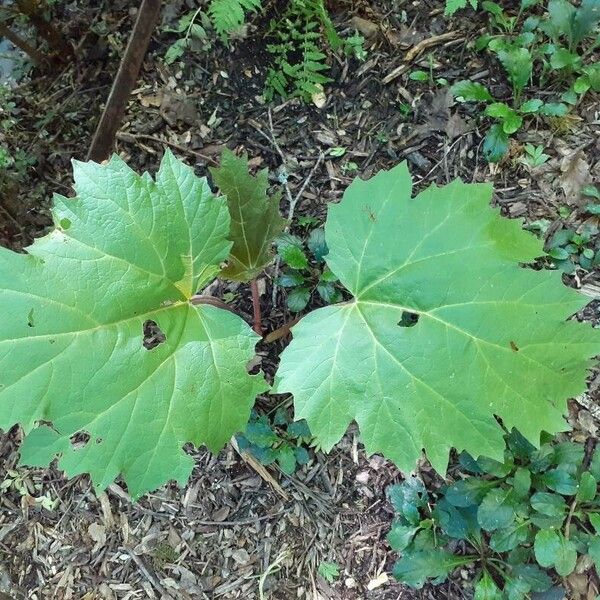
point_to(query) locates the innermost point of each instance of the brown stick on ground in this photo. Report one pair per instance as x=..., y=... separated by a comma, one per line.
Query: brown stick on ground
x=127, y=75
x=36, y=56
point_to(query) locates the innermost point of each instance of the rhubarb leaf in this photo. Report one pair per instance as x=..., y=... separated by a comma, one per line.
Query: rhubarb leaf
x=98, y=336
x=446, y=330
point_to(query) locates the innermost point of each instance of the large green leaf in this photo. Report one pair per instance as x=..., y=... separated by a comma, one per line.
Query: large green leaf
x=255, y=218
x=128, y=250
x=492, y=337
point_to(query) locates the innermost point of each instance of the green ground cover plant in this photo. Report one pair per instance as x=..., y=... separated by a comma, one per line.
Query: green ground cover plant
x=276, y=438
x=305, y=272
x=111, y=361
x=524, y=520
x=553, y=50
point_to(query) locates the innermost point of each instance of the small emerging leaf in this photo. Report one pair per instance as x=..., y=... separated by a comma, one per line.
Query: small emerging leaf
x=255, y=218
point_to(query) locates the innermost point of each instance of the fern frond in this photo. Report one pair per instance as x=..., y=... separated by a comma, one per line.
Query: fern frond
x=229, y=15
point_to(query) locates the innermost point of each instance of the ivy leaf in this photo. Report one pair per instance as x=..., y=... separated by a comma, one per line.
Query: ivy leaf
x=534, y=578
x=522, y=482
x=490, y=337
x=255, y=218
x=286, y=458
x=495, y=510
x=415, y=568
x=561, y=481
x=507, y=538
x=470, y=91
x=495, y=144
x=594, y=551
x=552, y=549
x=316, y=243
x=407, y=497
x=551, y=505
x=298, y=298
x=468, y=492
x=122, y=263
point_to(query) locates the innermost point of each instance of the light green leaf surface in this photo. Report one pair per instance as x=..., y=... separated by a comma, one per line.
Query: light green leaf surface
x=126, y=251
x=255, y=218
x=492, y=337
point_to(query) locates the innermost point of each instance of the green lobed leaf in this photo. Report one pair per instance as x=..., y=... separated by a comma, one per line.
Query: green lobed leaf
x=495, y=144
x=407, y=497
x=551, y=505
x=594, y=551
x=595, y=521
x=255, y=218
x=491, y=339
x=298, y=298
x=507, y=538
x=561, y=481
x=534, y=578
x=522, y=482
x=470, y=91
x=125, y=253
x=286, y=459
x=552, y=549
x=546, y=547
x=316, y=243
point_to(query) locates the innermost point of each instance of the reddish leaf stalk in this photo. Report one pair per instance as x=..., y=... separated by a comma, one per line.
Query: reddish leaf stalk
x=256, y=307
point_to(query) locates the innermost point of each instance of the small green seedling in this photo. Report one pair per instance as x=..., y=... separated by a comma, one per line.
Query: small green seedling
x=522, y=523
x=572, y=249
x=276, y=439
x=533, y=156
x=329, y=571
x=306, y=273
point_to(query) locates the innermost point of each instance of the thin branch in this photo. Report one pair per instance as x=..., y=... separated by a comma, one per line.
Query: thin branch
x=132, y=138
x=127, y=75
x=36, y=56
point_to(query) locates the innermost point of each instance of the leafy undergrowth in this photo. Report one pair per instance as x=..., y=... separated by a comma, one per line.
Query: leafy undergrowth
x=527, y=521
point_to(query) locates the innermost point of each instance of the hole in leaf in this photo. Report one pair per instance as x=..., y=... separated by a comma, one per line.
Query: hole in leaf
x=153, y=335
x=30, y=321
x=408, y=319
x=79, y=440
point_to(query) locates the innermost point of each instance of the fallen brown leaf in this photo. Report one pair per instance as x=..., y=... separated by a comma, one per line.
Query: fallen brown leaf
x=575, y=174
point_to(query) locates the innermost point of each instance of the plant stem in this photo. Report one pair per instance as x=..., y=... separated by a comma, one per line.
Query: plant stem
x=281, y=331
x=256, y=306
x=199, y=299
